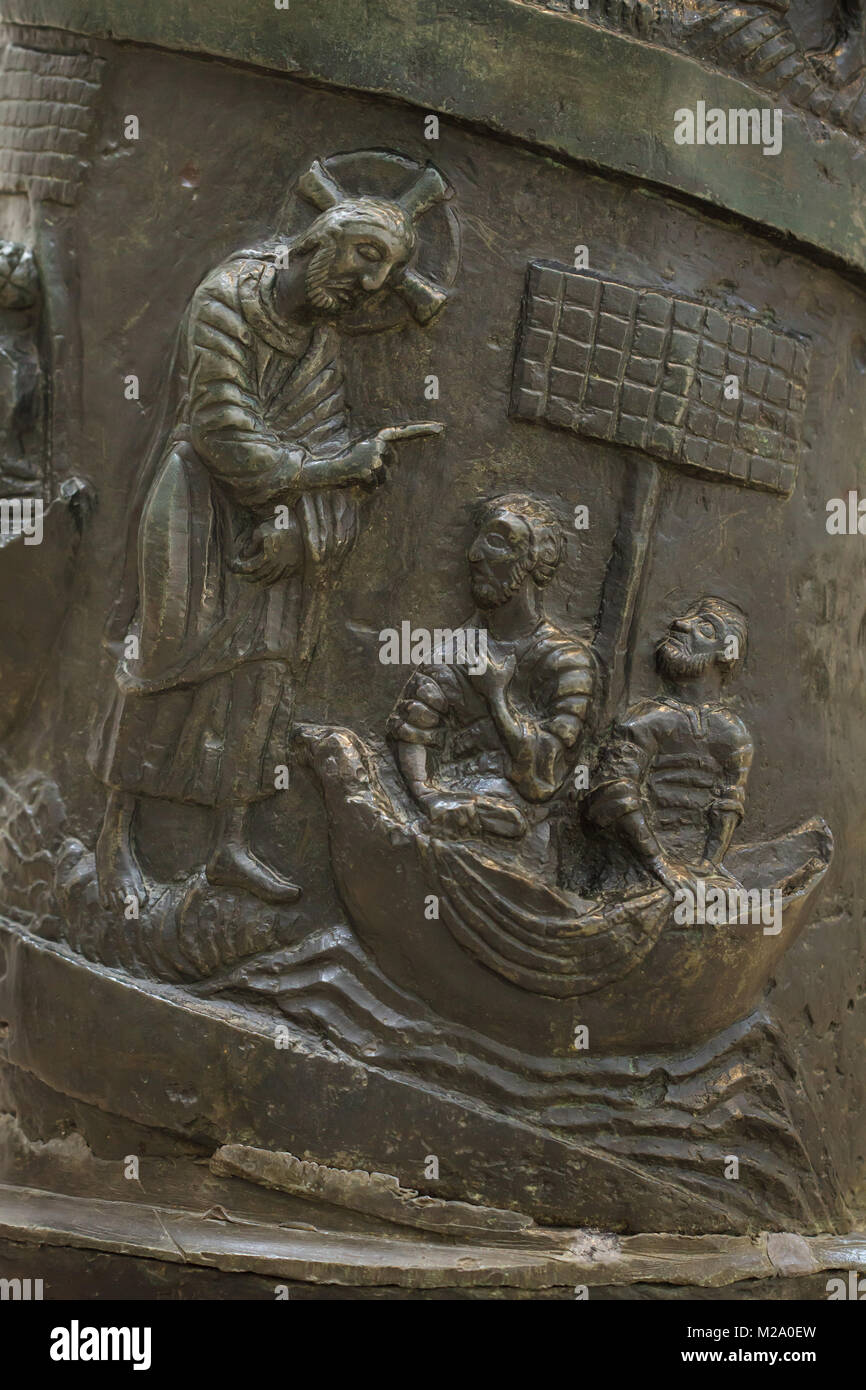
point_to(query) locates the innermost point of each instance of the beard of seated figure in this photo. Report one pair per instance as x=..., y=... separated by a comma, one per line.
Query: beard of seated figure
x=677, y=665
x=500, y=560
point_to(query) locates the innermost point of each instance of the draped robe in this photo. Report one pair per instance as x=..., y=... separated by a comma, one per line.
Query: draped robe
x=209, y=659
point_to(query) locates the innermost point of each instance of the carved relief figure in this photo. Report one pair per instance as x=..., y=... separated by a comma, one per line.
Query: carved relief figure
x=22, y=379
x=223, y=594
x=765, y=42
x=846, y=57
x=671, y=781
x=483, y=752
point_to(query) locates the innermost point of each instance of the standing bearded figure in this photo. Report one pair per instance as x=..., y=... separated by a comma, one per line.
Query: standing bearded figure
x=242, y=520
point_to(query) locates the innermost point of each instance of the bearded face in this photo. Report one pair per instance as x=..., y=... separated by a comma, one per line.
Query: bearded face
x=326, y=289
x=693, y=644
x=499, y=560
x=351, y=257
x=676, y=664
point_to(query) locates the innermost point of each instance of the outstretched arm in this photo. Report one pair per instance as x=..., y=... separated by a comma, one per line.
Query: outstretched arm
x=227, y=421
x=364, y=460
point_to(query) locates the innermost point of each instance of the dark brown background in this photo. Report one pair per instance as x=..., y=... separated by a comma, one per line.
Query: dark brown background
x=218, y=149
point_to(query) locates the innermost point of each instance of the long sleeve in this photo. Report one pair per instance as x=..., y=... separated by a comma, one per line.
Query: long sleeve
x=566, y=680
x=227, y=425
x=730, y=793
x=622, y=766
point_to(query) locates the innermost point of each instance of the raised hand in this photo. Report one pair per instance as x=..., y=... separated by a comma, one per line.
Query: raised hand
x=496, y=676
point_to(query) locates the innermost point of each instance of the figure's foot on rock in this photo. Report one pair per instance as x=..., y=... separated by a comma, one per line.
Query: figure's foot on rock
x=305, y=741
x=120, y=879
x=233, y=867
x=325, y=747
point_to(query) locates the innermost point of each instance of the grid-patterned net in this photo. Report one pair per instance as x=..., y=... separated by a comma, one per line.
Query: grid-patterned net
x=648, y=369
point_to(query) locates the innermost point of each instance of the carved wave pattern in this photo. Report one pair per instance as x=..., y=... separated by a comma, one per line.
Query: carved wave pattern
x=188, y=930
x=674, y=1117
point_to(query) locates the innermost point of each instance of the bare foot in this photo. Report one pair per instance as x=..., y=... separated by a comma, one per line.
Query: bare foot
x=305, y=739
x=117, y=870
x=233, y=867
x=320, y=746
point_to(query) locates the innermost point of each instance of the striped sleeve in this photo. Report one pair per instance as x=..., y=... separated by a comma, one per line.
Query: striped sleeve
x=228, y=429
x=570, y=671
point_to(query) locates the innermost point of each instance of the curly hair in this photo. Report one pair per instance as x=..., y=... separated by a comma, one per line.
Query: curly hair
x=546, y=536
x=376, y=212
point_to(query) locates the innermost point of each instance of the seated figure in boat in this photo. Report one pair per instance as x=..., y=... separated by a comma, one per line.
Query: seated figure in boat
x=464, y=893
x=671, y=781
x=484, y=749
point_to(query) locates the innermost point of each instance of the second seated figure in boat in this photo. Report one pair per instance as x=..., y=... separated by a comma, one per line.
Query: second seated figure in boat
x=671, y=780
x=443, y=856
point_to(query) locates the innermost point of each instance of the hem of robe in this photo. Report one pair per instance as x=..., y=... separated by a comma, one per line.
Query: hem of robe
x=214, y=744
